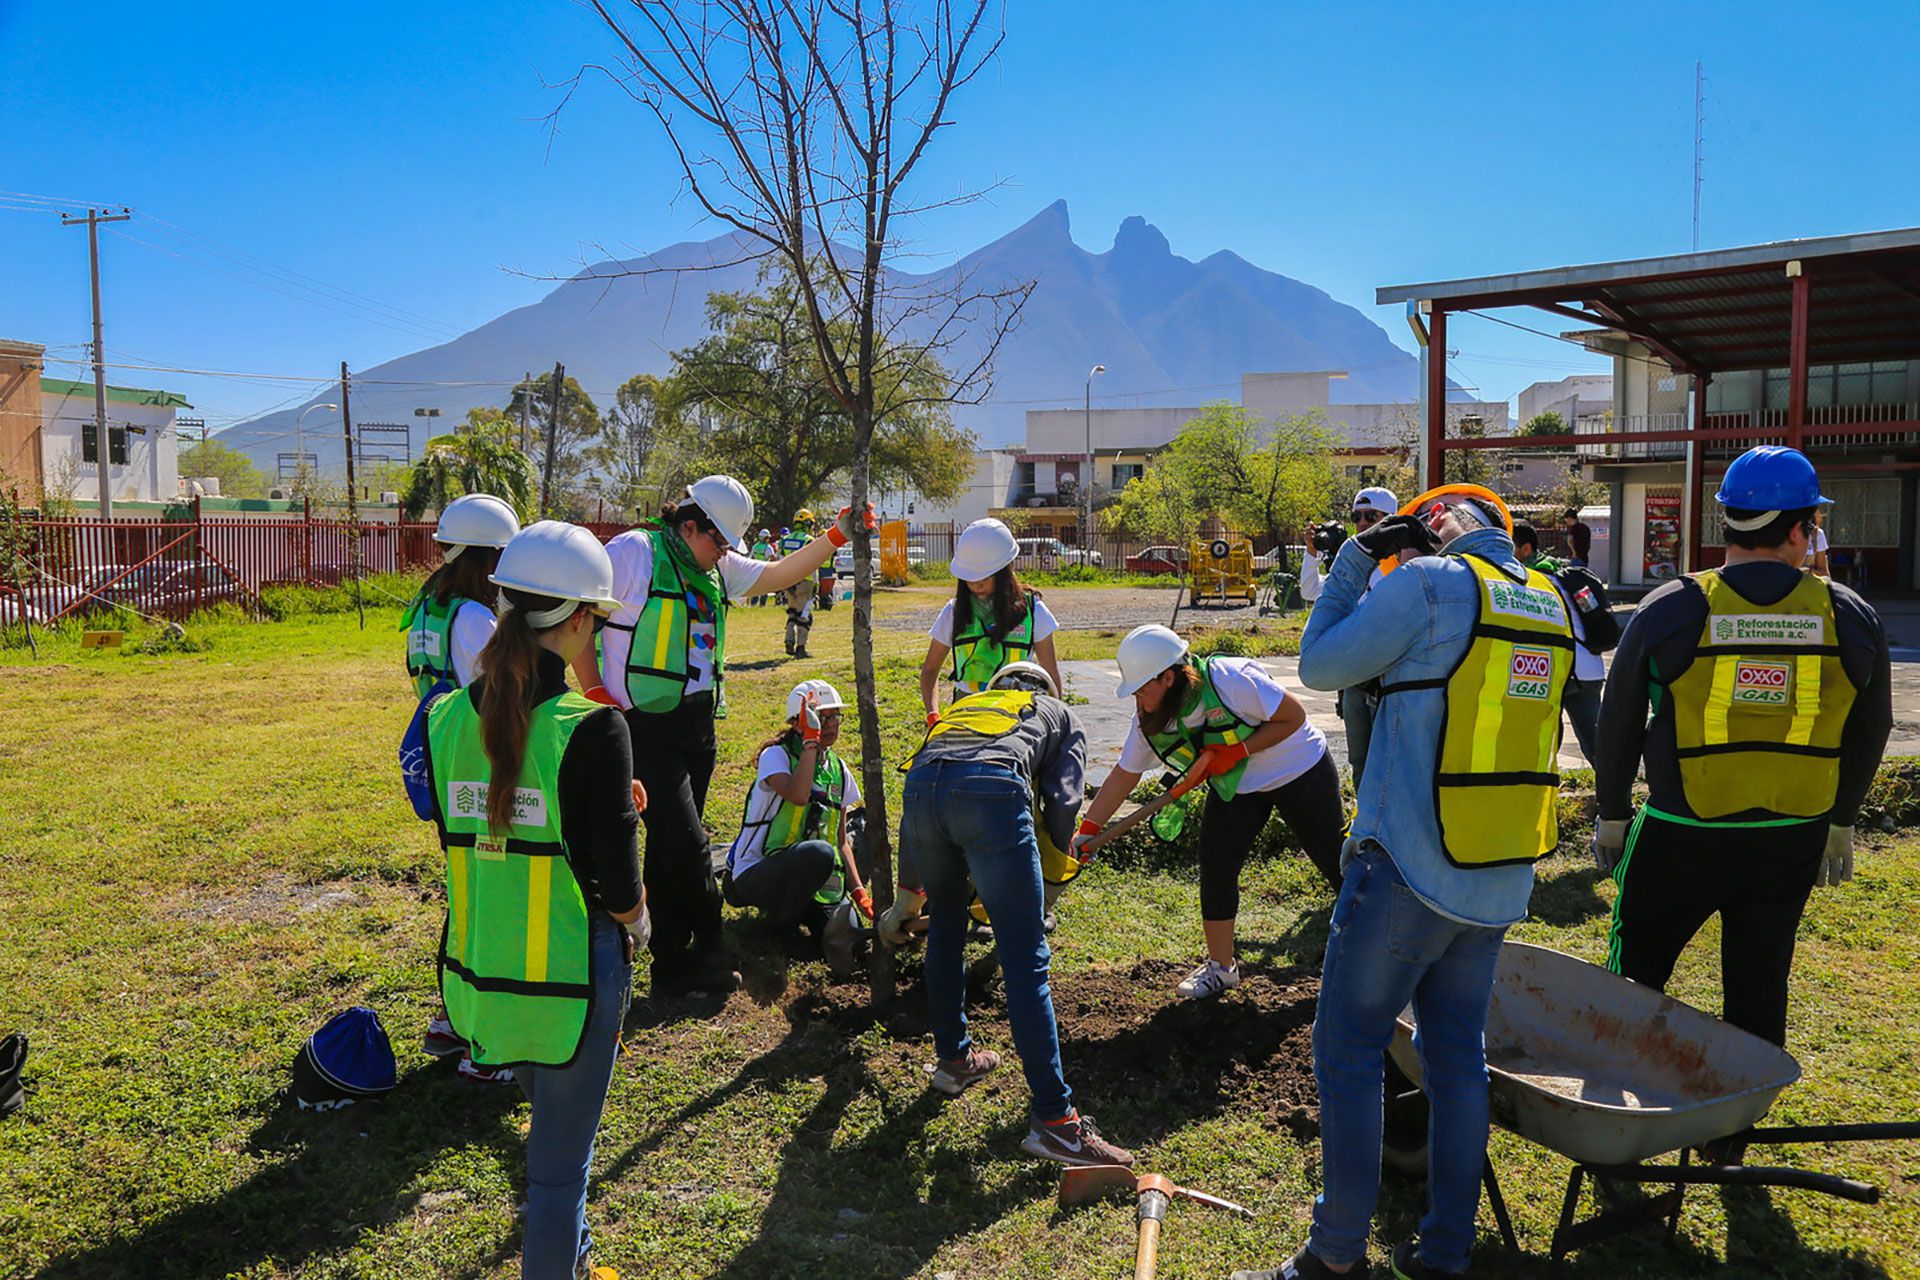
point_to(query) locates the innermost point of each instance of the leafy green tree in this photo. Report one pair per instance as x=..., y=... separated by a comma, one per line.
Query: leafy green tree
x=775, y=422
x=237, y=475
x=482, y=457
x=578, y=430
x=1546, y=424
x=647, y=450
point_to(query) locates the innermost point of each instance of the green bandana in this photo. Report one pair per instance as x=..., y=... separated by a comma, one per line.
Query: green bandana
x=703, y=582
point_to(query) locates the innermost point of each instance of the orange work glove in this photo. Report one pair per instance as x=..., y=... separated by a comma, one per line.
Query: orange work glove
x=600, y=695
x=842, y=531
x=1088, y=829
x=1224, y=757
x=863, y=901
x=933, y=718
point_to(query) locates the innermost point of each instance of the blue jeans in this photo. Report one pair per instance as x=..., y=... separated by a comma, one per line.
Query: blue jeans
x=1357, y=711
x=1385, y=948
x=1581, y=702
x=567, y=1102
x=963, y=819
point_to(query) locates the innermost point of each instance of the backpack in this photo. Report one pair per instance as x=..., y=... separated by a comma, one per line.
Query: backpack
x=1596, y=619
x=347, y=1061
x=413, y=755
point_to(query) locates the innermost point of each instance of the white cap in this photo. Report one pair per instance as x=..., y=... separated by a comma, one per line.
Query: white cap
x=825, y=697
x=727, y=503
x=983, y=549
x=1375, y=498
x=1145, y=653
x=1016, y=674
x=475, y=520
x=552, y=558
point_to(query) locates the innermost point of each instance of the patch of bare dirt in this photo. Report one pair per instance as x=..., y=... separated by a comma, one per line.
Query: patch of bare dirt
x=271, y=900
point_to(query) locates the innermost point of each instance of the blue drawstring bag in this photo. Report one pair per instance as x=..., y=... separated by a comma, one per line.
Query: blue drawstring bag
x=413, y=755
x=347, y=1061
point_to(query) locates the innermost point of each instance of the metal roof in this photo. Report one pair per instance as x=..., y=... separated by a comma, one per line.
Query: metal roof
x=1730, y=308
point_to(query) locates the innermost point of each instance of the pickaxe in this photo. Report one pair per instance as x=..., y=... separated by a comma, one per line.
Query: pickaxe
x=1114, y=830
x=1151, y=1191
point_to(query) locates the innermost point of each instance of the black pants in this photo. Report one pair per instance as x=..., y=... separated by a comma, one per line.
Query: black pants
x=673, y=756
x=1674, y=876
x=1310, y=804
x=783, y=883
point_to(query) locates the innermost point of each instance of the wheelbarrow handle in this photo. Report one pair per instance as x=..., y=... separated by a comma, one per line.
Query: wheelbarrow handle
x=1791, y=1133
x=1742, y=1175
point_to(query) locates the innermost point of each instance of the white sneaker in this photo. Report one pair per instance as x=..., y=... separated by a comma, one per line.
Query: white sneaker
x=1209, y=980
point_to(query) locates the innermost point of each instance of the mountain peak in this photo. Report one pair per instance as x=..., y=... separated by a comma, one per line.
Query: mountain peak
x=1138, y=238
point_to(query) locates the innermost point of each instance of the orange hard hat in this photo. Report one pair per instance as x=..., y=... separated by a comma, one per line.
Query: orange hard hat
x=1474, y=491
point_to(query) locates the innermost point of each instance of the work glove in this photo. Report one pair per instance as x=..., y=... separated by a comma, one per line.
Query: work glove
x=639, y=797
x=933, y=718
x=1398, y=535
x=892, y=924
x=1214, y=761
x=842, y=532
x=600, y=695
x=1836, y=864
x=863, y=902
x=1081, y=838
x=1609, y=843
x=809, y=722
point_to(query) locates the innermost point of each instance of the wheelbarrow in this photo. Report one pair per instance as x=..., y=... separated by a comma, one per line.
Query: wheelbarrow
x=1611, y=1074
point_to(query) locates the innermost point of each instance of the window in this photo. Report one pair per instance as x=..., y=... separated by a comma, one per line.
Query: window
x=1879, y=382
x=1866, y=513
x=116, y=445
x=1125, y=473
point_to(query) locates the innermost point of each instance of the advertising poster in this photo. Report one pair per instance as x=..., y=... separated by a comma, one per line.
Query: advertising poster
x=1662, y=563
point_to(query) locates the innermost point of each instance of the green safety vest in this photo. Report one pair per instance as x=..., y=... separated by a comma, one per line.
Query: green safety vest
x=515, y=962
x=793, y=542
x=429, y=627
x=976, y=657
x=822, y=817
x=1180, y=746
x=657, y=670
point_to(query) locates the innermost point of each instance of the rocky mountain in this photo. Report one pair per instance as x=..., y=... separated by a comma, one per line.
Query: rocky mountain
x=1169, y=330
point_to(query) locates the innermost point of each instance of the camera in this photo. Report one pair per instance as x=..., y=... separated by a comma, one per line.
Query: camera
x=1328, y=537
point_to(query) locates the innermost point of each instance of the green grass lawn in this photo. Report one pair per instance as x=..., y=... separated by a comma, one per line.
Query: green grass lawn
x=207, y=853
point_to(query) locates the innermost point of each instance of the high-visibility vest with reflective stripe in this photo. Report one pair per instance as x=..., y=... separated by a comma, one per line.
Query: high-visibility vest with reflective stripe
x=1757, y=716
x=515, y=960
x=1496, y=778
x=822, y=817
x=430, y=642
x=976, y=656
x=1179, y=746
x=990, y=715
x=657, y=672
x=791, y=543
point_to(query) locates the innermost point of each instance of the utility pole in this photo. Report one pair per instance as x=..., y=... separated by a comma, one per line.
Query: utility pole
x=103, y=458
x=1699, y=142
x=353, y=504
x=553, y=431
x=526, y=398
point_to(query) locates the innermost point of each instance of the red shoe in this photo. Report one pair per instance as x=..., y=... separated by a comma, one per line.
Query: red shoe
x=440, y=1040
x=1072, y=1140
x=473, y=1073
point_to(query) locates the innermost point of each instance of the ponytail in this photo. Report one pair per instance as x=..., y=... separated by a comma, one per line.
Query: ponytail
x=511, y=661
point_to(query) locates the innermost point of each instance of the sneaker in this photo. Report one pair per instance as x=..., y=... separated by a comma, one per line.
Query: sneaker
x=440, y=1041
x=1407, y=1265
x=473, y=1073
x=954, y=1077
x=801, y=652
x=1209, y=980
x=1305, y=1265
x=1072, y=1140
x=1048, y=923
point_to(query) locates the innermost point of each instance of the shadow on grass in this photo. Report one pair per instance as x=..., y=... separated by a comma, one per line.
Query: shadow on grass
x=1571, y=896
x=349, y=1172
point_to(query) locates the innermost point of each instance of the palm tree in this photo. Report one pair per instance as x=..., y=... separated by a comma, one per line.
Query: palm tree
x=481, y=458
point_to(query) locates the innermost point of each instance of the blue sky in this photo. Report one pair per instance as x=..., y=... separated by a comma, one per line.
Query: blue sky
x=389, y=164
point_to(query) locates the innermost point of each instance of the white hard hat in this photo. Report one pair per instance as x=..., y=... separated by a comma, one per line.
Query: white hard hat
x=727, y=503
x=1023, y=674
x=983, y=549
x=825, y=697
x=476, y=520
x=1145, y=653
x=1376, y=498
x=553, y=558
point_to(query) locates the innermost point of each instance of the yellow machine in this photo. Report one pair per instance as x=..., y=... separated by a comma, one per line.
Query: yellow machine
x=1221, y=569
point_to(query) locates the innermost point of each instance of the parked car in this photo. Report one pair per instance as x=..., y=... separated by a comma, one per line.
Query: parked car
x=843, y=563
x=1049, y=553
x=1172, y=560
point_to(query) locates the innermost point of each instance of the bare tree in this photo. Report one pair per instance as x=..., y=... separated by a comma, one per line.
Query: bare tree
x=799, y=123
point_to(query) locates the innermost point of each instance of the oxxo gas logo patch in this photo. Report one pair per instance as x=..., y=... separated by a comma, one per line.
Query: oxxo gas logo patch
x=1530, y=672
x=1762, y=684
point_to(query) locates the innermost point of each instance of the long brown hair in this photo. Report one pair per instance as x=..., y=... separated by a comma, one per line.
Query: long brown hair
x=465, y=576
x=1185, y=679
x=511, y=664
x=1009, y=601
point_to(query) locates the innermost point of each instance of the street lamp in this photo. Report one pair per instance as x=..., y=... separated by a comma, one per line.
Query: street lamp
x=1086, y=469
x=299, y=439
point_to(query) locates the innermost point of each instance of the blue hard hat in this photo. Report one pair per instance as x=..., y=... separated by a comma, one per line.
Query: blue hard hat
x=1770, y=477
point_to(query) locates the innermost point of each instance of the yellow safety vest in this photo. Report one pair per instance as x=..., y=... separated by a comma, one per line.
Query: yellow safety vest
x=989, y=715
x=1757, y=715
x=1496, y=780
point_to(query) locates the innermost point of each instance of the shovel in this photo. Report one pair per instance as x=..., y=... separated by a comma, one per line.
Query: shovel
x=1152, y=1193
x=1114, y=830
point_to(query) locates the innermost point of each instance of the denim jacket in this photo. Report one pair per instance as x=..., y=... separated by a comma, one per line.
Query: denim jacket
x=1414, y=624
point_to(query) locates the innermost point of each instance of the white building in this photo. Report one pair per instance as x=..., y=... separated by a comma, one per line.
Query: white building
x=143, y=451
x=1576, y=396
x=989, y=487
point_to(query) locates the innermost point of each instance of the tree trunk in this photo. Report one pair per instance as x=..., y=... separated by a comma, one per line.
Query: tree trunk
x=873, y=769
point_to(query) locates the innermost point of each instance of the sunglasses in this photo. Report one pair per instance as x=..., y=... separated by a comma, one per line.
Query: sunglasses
x=1364, y=518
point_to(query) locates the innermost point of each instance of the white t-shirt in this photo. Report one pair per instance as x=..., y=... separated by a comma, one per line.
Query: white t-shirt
x=750, y=846
x=632, y=556
x=1816, y=545
x=1249, y=691
x=473, y=625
